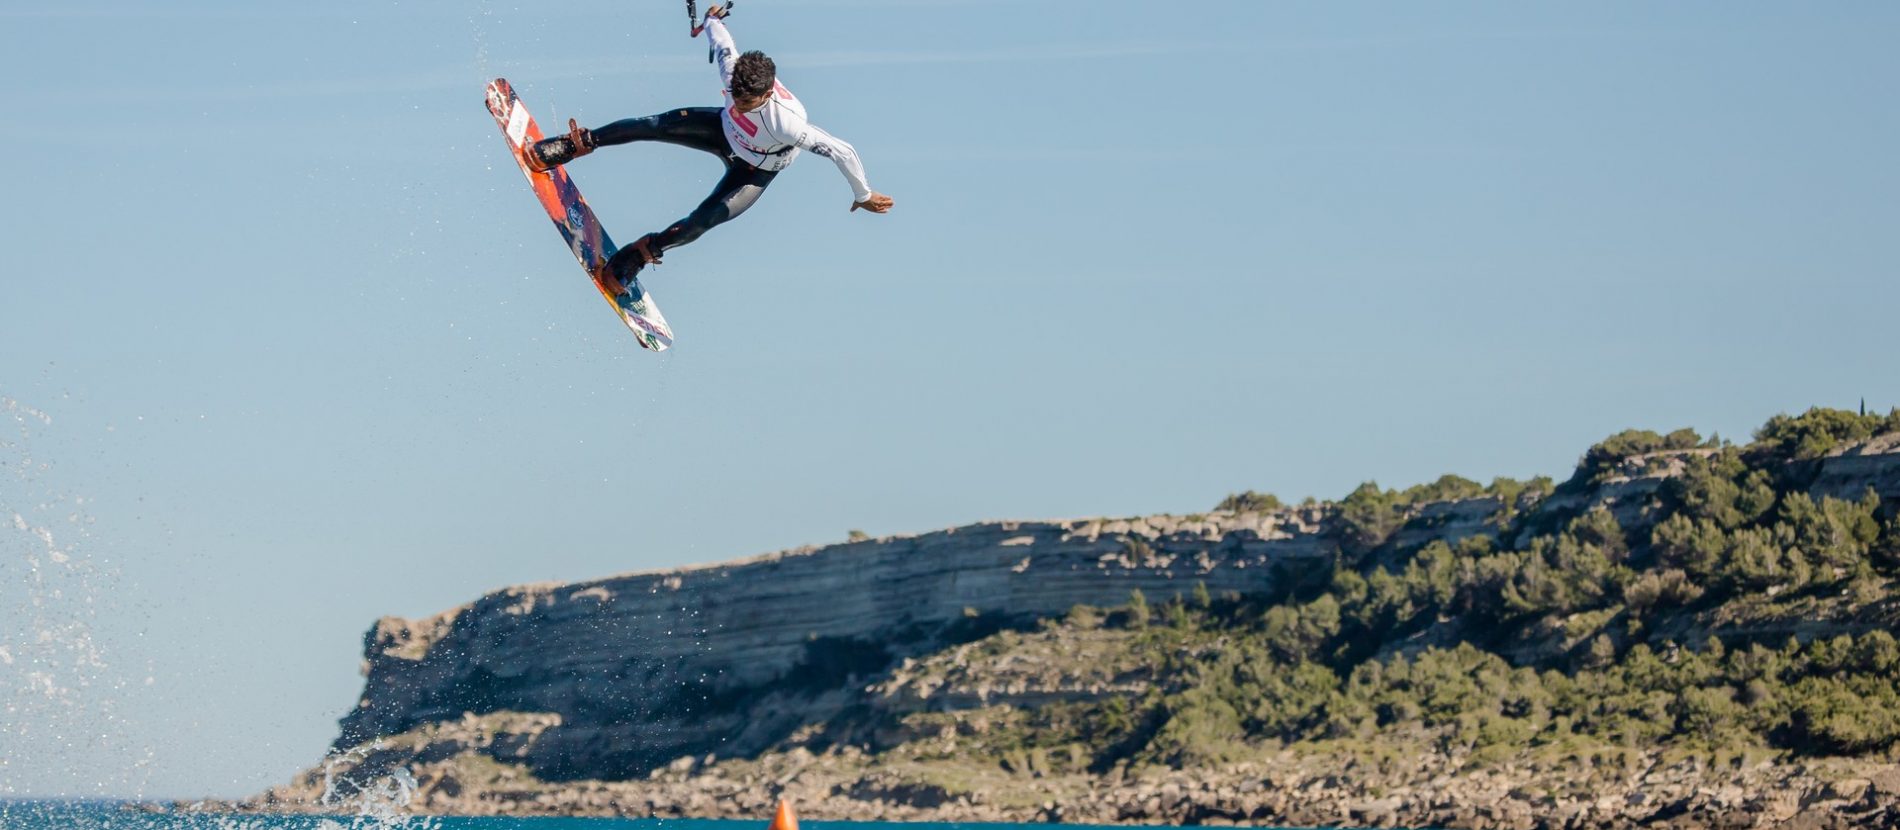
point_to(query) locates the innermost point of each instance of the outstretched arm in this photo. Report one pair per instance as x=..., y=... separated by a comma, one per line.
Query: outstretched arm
x=841, y=153
x=724, y=52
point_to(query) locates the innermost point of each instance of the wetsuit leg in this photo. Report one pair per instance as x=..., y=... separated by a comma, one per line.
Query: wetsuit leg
x=698, y=128
x=695, y=127
x=737, y=190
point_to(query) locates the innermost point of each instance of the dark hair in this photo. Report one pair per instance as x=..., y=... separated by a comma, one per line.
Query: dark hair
x=753, y=75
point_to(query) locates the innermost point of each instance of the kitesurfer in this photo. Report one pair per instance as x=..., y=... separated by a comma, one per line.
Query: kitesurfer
x=758, y=133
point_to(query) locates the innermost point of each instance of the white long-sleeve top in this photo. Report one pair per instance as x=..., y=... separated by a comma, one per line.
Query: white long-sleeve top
x=770, y=137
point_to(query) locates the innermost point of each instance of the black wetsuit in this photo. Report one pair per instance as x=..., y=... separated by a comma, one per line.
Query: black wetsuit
x=698, y=128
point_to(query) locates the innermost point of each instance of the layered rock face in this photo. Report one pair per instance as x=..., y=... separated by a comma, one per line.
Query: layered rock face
x=641, y=669
x=646, y=667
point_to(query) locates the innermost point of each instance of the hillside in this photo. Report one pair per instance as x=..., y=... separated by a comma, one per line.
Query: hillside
x=1682, y=631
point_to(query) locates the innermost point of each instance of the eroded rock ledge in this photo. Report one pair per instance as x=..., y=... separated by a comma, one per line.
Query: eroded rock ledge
x=647, y=667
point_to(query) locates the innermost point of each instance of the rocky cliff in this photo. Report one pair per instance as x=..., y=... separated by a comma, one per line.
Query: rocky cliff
x=646, y=667
x=703, y=690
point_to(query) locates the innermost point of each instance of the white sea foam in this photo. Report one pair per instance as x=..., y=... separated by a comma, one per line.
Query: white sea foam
x=379, y=799
x=57, y=698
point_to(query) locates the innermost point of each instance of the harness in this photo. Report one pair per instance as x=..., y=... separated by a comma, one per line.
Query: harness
x=769, y=153
x=778, y=152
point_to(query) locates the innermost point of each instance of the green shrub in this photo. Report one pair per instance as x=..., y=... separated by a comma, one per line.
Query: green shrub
x=1447, y=488
x=1606, y=455
x=1250, y=502
x=1369, y=516
x=1137, y=608
x=1722, y=489
x=1818, y=431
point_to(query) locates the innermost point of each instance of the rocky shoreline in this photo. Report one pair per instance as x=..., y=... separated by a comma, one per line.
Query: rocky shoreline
x=1602, y=789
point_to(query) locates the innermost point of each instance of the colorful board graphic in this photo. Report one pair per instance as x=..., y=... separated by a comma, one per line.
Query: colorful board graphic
x=576, y=221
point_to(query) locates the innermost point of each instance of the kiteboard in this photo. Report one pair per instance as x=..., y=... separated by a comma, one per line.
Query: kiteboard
x=576, y=222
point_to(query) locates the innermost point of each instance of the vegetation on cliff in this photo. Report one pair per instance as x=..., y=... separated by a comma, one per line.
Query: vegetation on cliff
x=1560, y=633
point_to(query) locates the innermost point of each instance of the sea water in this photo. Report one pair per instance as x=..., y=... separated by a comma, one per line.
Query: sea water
x=109, y=816
x=28, y=815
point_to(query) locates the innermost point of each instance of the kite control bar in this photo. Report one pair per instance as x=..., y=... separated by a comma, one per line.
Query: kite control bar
x=693, y=18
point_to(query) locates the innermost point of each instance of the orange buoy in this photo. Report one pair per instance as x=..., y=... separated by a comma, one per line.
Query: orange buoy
x=785, y=820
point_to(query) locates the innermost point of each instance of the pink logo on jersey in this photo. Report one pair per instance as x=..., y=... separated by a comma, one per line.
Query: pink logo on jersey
x=782, y=91
x=744, y=123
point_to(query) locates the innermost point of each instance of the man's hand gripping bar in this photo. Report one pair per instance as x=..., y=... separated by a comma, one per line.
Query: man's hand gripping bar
x=698, y=23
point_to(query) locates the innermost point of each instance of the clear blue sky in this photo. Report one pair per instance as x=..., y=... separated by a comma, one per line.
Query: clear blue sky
x=286, y=345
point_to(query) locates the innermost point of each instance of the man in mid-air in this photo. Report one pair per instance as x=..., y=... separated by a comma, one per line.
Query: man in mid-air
x=757, y=134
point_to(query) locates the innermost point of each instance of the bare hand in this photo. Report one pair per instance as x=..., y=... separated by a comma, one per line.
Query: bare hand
x=878, y=203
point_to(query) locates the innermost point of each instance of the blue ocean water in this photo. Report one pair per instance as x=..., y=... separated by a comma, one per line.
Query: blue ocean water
x=20, y=815
x=108, y=816
x=29, y=815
